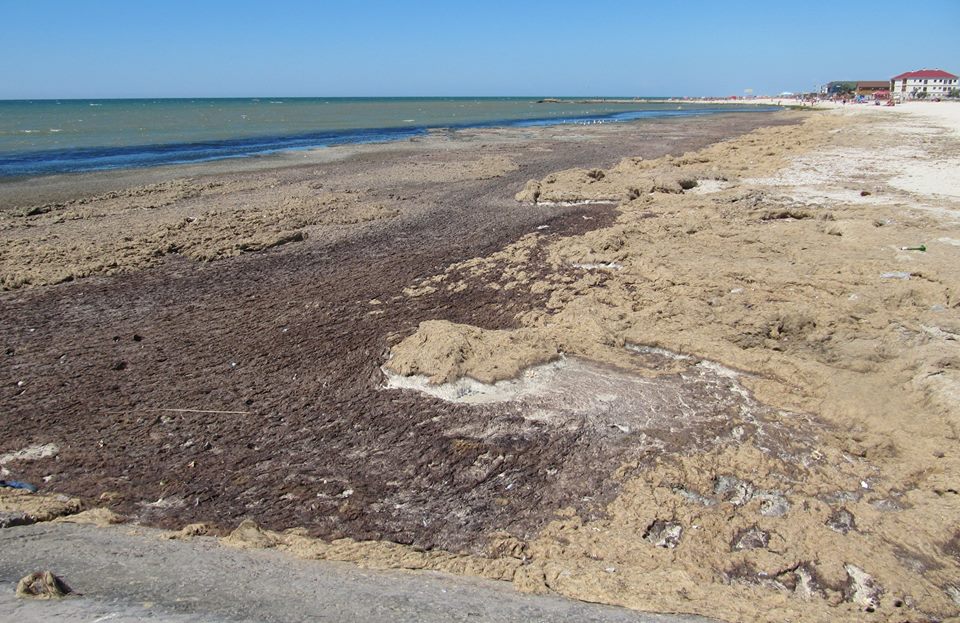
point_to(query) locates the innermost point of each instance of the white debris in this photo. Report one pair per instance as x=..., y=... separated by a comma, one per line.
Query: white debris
x=31, y=453
x=865, y=590
x=599, y=266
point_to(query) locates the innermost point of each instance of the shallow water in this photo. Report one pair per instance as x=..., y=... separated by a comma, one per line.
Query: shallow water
x=60, y=136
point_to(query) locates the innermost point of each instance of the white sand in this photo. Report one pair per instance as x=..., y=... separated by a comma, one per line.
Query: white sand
x=827, y=176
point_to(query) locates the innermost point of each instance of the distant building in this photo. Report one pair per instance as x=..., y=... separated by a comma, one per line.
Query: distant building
x=855, y=87
x=923, y=83
x=839, y=87
x=872, y=87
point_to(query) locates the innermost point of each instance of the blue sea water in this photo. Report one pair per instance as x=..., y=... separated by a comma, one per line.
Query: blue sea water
x=66, y=136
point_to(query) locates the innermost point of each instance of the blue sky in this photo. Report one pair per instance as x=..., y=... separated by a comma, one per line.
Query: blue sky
x=214, y=48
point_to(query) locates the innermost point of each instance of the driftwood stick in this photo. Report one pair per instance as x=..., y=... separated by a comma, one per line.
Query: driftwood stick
x=204, y=411
x=179, y=411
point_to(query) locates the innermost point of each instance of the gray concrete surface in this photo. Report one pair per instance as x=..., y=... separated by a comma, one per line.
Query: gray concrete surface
x=128, y=574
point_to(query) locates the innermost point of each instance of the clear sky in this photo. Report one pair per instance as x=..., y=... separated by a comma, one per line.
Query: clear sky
x=213, y=48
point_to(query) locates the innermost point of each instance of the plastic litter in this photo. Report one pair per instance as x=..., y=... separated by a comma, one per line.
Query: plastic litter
x=919, y=247
x=16, y=484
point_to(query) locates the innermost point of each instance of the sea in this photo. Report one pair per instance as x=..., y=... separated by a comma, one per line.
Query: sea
x=44, y=137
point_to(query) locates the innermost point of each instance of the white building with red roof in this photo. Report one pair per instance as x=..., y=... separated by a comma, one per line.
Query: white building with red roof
x=923, y=83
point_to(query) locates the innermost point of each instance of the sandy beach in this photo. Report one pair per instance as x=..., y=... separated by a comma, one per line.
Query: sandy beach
x=703, y=366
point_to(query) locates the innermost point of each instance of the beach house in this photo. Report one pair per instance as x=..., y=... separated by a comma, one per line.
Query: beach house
x=851, y=88
x=872, y=87
x=924, y=83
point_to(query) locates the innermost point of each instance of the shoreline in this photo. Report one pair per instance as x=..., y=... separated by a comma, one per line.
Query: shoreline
x=739, y=287
x=17, y=192
x=29, y=164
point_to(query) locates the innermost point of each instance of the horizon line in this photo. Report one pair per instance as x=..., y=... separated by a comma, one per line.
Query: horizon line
x=292, y=97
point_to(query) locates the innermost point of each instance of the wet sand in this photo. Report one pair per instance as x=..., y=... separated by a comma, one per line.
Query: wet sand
x=733, y=367
x=227, y=585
